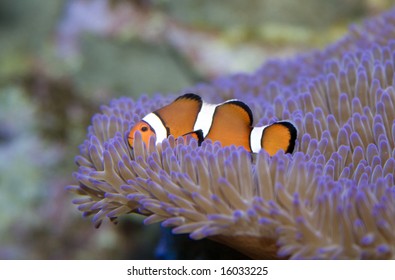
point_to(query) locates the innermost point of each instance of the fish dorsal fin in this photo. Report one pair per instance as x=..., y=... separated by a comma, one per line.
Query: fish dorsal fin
x=243, y=109
x=190, y=96
x=231, y=124
x=179, y=117
x=279, y=136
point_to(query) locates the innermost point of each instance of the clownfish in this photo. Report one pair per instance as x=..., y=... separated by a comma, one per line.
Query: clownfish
x=229, y=122
x=177, y=119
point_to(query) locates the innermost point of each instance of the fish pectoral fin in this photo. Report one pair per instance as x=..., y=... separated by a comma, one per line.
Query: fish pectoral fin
x=197, y=134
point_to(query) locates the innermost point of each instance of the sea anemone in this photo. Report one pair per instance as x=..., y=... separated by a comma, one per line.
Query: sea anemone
x=333, y=198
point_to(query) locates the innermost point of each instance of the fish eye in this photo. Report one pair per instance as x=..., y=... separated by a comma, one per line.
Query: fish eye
x=144, y=128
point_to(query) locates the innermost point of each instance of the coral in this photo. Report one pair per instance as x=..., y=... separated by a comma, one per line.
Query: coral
x=332, y=199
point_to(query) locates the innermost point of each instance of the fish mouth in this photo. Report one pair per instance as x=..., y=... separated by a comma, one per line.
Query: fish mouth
x=130, y=139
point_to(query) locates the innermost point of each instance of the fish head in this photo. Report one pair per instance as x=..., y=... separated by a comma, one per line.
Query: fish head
x=145, y=130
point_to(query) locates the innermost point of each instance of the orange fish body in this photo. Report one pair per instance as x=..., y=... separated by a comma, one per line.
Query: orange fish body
x=231, y=125
x=228, y=123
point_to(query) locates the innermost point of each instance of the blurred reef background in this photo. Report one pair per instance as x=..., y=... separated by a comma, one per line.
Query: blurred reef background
x=60, y=60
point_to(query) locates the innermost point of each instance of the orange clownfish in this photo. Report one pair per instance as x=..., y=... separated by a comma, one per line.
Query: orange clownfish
x=229, y=122
x=177, y=119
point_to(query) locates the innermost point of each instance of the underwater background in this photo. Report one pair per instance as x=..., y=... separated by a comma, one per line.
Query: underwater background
x=61, y=60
